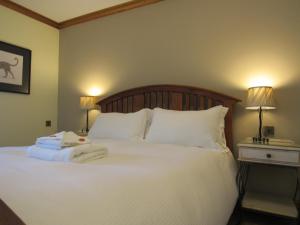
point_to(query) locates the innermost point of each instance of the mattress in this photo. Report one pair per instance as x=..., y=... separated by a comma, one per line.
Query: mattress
x=138, y=183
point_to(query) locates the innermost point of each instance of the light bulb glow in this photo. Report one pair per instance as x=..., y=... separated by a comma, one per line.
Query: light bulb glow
x=260, y=80
x=95, y=91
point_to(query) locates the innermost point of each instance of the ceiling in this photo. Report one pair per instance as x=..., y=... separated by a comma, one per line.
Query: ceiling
x=62, y=10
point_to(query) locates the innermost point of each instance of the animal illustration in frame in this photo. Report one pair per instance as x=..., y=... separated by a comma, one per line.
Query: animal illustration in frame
x=15, y=68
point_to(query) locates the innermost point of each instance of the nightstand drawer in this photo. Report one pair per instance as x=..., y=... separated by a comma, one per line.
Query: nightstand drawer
x=269, y=155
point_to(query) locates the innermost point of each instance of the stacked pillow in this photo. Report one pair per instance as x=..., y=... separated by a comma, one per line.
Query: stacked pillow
x=120, y=125
x=203, y=128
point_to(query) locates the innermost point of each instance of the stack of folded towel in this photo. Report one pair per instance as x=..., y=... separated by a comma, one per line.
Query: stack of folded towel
x=66, y=146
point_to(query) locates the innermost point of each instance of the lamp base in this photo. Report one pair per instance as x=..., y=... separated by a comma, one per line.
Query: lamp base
x=258, y=140
x=87, y=121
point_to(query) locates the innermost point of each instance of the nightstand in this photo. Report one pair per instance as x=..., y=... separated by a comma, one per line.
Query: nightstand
x=279, y=153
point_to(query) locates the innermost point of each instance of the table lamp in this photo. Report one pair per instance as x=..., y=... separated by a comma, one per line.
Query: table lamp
x=87, y=103
x=260, y=98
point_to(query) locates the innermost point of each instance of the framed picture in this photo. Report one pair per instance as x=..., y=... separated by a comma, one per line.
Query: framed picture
x=15, y=66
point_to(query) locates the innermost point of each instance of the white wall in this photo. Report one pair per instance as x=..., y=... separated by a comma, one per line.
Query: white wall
x=22, y=117
x=218, y=45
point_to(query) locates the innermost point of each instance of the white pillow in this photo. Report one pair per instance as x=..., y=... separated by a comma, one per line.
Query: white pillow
x=204, y=128
x=120, y=125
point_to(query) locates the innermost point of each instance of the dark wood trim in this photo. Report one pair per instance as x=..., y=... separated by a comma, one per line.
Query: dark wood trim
x=80, y=19
x=175, y=97
x=7, y=216
x=169, y=87
x=28, y=12
x=107, y=12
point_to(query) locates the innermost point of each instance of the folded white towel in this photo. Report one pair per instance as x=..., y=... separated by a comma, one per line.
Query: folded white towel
x=60, y=140
x=79, y=153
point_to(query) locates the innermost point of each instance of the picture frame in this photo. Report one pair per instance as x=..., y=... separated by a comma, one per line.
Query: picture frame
x=15, y=68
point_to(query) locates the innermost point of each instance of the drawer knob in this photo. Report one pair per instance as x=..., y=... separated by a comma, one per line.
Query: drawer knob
x=269, y=156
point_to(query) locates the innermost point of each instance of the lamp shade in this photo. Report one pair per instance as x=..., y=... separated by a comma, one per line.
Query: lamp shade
x=260, y=97
x=87, y=102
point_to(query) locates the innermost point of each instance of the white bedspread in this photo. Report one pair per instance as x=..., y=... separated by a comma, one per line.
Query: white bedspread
x=136, y=184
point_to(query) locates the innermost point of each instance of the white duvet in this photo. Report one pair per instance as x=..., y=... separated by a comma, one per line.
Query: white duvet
x=136, y=184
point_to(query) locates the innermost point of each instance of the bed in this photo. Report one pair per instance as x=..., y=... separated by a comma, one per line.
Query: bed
x=138, y=183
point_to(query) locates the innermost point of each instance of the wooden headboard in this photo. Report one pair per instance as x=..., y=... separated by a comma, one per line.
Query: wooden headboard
x=173, y=97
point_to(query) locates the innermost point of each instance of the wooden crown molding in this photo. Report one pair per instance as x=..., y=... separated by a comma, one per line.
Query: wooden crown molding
x=28, y=12
x=80, y=19
x=107, y=12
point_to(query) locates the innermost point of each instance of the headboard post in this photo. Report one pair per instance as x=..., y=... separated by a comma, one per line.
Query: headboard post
x=175, y=97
